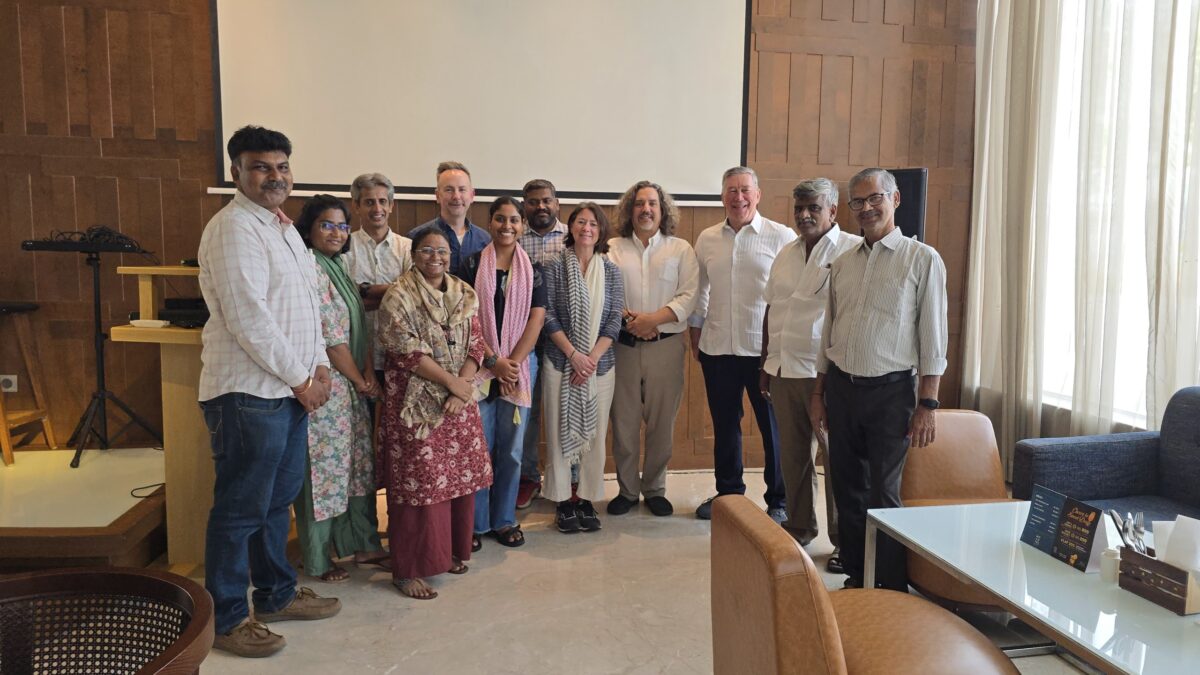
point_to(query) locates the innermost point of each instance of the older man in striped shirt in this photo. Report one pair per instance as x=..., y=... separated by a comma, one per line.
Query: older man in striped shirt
x=885, y=329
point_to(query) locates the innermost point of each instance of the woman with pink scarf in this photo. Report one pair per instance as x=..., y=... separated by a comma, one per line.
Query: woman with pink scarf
x=512, y=307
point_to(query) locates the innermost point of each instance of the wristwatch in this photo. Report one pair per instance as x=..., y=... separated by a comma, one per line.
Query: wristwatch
x=489, y=362
x=362, y=290
x=931, y=403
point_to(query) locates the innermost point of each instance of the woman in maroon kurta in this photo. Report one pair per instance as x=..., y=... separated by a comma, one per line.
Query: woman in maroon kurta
x=432, y=452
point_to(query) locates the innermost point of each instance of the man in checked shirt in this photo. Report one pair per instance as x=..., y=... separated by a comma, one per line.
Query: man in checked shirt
x=264, y=369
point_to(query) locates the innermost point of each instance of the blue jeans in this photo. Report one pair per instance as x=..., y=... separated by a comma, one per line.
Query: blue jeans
x=529, y=444
x=260, y=447
x=496, y=506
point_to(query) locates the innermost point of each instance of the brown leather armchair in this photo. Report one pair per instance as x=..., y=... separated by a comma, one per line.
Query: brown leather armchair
x=771, y=613
x=962, y=466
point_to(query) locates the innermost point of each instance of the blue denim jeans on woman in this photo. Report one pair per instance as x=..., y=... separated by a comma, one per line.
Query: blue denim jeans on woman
x=259, y=446
x=496, y=507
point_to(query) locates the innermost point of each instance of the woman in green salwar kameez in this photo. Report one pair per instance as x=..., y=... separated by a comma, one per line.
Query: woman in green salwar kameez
x=335, y=510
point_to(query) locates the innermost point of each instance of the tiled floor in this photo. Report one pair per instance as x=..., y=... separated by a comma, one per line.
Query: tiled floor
x=632, y=598
x=41, y=490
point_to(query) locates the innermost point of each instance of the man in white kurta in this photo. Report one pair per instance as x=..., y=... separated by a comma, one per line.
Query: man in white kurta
x=797, y=292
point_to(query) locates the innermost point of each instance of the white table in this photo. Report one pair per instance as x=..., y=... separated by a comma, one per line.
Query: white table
x=1109, y=628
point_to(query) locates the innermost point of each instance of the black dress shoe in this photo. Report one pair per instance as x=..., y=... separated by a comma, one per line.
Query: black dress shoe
x=851, y=582
x=660, y=506
x=586, y=512
x=566, y=518
x=620, y=505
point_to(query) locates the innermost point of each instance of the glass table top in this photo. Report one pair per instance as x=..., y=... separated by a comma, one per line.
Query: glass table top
x=982, y=542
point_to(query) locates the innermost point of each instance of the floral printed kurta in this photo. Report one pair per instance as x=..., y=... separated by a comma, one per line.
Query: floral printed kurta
x=451, y=462
x=340, y=455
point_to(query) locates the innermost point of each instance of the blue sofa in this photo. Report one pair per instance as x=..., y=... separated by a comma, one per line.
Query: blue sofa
x=1155, y=472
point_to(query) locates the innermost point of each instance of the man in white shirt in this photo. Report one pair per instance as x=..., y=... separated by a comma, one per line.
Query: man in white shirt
x=735, y=257
x=377, y=255
x=797, y=292
x=661, y=278
x=886, y=318
x=264, y=369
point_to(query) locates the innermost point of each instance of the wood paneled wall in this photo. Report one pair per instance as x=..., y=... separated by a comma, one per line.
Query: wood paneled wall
x=106, y=117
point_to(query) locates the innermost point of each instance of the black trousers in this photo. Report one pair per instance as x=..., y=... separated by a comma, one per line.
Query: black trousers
x=868, y=443
x=725, y=378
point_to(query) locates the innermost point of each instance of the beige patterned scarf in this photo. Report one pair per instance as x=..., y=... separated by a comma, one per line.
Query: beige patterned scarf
x=416, y=317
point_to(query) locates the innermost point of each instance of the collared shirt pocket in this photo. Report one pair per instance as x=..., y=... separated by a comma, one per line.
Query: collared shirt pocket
x=670, y=271
x=818, y=282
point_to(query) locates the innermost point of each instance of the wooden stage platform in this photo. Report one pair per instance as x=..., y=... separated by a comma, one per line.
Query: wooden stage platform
x=55, y=516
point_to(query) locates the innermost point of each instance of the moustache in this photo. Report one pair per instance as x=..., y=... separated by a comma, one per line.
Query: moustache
x=274, y=185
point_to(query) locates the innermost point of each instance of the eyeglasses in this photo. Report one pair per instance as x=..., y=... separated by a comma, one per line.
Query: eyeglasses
x=429, y=251
x=327, y=226
x=872, y=199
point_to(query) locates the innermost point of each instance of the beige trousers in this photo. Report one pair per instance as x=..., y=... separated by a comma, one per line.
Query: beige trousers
x=649, y=390
x=791, y=396
x=591, y=464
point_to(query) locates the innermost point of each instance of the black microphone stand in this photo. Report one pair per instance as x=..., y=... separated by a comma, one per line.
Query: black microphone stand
x=94, y=420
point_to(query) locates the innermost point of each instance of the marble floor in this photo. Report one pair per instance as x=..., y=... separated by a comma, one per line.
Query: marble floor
x=40, y=489
x=631, y=598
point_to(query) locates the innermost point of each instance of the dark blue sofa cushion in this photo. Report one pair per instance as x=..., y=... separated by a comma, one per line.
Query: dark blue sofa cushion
x=1152, y=507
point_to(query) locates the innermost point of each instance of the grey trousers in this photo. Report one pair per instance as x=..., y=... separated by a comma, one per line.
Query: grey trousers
x=649, y=389
x=791, y=397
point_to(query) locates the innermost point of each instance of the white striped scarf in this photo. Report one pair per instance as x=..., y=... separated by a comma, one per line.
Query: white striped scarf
x=577, y=404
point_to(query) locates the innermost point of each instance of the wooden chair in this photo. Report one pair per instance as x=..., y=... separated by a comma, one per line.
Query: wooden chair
x=771, y=613
x=14, y=419
x=104, y=620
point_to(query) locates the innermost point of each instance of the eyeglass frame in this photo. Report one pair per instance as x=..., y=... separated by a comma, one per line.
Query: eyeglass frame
x=428, y=251
x=330, y=226
x=874, y=199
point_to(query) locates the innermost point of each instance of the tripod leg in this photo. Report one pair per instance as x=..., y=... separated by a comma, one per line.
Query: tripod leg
x=87, y=430
x=79, y=424
x=137, y=419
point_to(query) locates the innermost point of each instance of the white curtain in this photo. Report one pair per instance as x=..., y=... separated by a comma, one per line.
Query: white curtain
x=1082, y=290
x=1173, y=222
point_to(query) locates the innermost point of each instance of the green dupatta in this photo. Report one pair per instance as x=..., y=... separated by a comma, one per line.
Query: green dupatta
x=349, y=292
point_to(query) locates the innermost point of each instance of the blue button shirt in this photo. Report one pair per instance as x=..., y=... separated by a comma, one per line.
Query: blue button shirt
x=475, y=240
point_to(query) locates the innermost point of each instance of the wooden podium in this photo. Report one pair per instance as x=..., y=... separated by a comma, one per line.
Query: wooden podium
x=186, y=449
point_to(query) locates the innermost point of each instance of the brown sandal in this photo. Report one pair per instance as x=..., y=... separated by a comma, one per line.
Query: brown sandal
x=405, y=588
x=459, y=567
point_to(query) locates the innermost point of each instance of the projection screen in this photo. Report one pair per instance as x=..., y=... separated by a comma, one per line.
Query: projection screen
x=593, y=96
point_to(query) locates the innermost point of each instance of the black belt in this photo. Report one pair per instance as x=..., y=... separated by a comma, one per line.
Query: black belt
x=888, y=378
x=630, y=336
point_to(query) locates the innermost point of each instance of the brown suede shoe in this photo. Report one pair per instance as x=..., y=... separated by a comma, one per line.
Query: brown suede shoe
x=250, y=639
x=306, y=606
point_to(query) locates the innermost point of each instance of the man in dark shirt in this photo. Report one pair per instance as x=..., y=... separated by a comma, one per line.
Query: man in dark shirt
x=454, y=197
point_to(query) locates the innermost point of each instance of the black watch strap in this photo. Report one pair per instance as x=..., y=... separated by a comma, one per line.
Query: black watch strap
x=931, y=403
